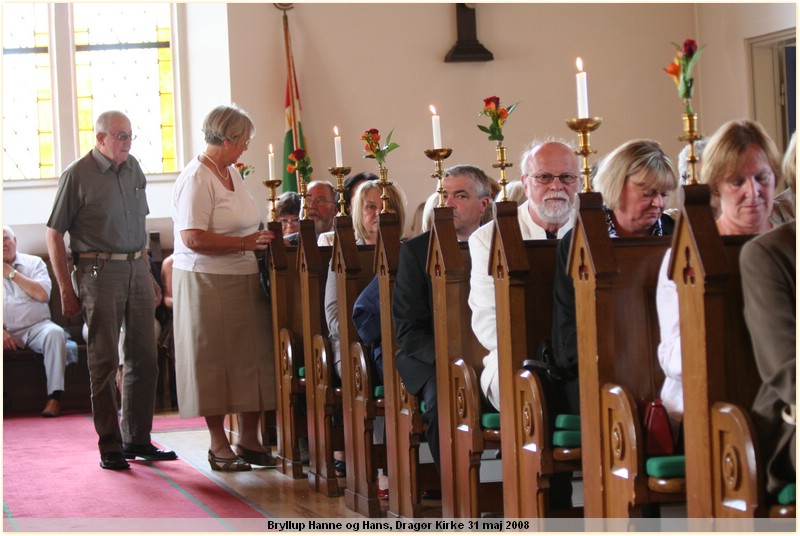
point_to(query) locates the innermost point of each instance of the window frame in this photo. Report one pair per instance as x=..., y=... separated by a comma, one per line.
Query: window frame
x=65, y=107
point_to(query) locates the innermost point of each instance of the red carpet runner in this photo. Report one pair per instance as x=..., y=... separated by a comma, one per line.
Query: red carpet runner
x=50, y=470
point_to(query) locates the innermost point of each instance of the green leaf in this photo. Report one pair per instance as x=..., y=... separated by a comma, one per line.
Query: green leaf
x=369, y=156
x=391, y=146
x=484, y=129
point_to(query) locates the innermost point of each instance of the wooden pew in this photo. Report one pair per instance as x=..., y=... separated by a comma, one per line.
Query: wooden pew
x=523, y=272
x=718, y=366
x=288, y=335
x=351, y=264
x=313, y=264
x=459, y=360
x=403, y=417
x=617, y=323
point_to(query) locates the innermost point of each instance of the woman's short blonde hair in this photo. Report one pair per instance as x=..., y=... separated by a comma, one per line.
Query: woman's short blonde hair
x=628, y=159
x=396, y=202
x=727, y=149
x=228, y=123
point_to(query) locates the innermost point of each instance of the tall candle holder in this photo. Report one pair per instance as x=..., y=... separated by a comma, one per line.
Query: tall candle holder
x=584, y=126
x=690, y=136
x=339, y=172
x=272, y=184
x=384, y=183
x=301, y=191
x=438, y=156
x=502, y=164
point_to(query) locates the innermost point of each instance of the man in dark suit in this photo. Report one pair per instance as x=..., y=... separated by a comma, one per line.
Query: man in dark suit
x=467, y=189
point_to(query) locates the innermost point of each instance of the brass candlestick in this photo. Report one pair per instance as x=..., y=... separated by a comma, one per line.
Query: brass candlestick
x=691, y=135
x=384, y=183
x=502, y=164
x=438, y=156
x=339, y=173
x=583, y=127
x=272, y=184
x=301, y=190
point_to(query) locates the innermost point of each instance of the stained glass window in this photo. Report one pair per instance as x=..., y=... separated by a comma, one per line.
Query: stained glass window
x=122, y=61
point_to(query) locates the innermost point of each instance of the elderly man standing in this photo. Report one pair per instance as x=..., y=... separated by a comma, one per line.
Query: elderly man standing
x=550, y=173
x=101, y=202
x=467, y=190
x=26, y=317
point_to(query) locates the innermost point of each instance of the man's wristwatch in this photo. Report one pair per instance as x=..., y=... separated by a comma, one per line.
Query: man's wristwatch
x=12, y=275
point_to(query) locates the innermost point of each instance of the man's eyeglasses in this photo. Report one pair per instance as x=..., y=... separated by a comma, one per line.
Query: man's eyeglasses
x=122, y=136
x=547, y=178
x=319, y=201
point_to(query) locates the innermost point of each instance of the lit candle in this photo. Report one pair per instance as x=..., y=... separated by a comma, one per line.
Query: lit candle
x=583, y=94
x=437, y=129
x=271, y=163
x=337, y=146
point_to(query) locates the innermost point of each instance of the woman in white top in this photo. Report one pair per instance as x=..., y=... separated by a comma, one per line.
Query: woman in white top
x=741, y=165
x=222, y=328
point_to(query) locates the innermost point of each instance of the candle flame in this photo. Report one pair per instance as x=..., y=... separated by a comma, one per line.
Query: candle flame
x=270, y=147
x=579, y=64
x=336, y=131
x=433, y=110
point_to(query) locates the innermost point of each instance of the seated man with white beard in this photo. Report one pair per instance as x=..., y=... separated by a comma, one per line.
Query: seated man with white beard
x=550, y=172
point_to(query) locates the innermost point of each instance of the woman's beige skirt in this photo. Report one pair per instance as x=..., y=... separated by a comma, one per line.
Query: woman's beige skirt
x=223, y=344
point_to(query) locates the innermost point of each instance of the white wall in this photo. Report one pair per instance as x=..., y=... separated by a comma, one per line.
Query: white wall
x=379, y=66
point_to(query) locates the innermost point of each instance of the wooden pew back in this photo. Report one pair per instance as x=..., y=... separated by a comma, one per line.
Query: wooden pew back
x=313, y=265
x=352, y=266
x=403, y=417
x=523, y=272
x=287, y=314
x=716, y=350
x=459, y=360
x=617, y=324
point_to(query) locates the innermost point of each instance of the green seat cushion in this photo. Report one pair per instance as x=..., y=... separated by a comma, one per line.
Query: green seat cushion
x=490, y=421
x=302, y=372
x=666, y=466
x=422, y=406
x=378, y=391
x=786, y=495
x=566, y=421
x=567, y=438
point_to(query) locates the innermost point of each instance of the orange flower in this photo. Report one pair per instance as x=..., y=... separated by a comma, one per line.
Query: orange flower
x=674, y=69
x=291, y=168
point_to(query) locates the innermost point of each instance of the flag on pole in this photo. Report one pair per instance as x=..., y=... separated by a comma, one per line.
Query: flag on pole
x=293, y=138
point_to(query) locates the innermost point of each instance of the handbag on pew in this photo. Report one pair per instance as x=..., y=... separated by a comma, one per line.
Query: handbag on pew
x=658, y=432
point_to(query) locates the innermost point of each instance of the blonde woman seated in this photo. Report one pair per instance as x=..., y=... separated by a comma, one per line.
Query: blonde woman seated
x=741, y=165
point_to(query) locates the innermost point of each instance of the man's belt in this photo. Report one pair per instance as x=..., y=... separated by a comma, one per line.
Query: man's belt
x=111, y=256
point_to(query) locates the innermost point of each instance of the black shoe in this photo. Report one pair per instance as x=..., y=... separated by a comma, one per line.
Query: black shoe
x=147, y=452
x=113, y=460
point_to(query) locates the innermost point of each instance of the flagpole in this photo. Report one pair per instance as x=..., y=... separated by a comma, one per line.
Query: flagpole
x=290, y=63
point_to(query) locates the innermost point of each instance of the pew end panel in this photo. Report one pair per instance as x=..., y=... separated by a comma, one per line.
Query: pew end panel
x=403, y=418
x=287, y=314
x=449, y=266
x=716, y=350
x=618, y=335
x=351, y=266
x=329, y=435
x=313, y=265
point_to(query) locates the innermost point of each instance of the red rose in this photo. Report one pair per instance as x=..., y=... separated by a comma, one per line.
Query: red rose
x=297, y=155
x=689, y=48
x=491, y=100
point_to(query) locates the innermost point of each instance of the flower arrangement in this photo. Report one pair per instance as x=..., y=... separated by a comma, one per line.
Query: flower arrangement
x=244, y=170
x=498, y=115
x=372, y=137
x=681, y=70
x=302, y=163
